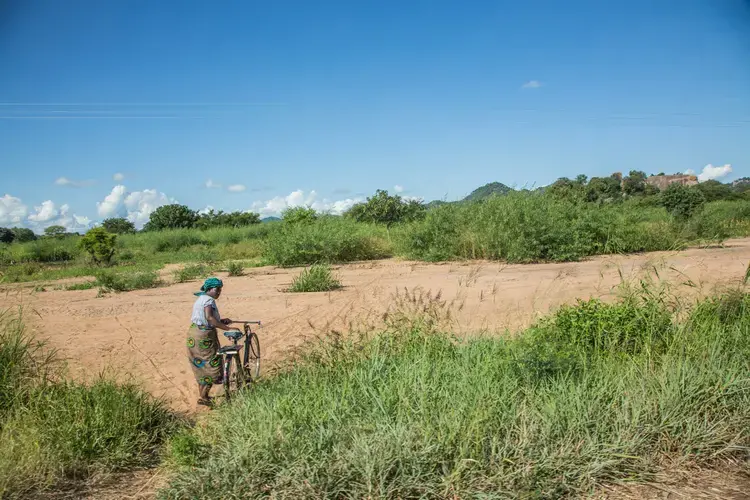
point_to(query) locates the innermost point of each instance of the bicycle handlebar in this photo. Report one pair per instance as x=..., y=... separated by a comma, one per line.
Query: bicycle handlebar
x=246, y=322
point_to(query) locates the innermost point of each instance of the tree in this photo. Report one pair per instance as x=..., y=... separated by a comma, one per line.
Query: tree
x=171, y=217
x=22, y=234
x=55, y=231
x=601, y=189
x=714, y=190
x=581, y=179
x=566, y=189
x=99, y=244
x=299, y=215
x=118, y=225
x=635, y=183
x=682, y=201
x=386, y=209
x=222, y=219
x=6, y=235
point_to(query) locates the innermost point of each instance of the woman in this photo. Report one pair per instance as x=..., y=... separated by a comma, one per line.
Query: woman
x=202, y=340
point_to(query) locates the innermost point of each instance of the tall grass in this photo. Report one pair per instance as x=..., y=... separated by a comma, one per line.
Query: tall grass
x=52, y=431
x=596, y=393
x=316, y=278
x=518, y=227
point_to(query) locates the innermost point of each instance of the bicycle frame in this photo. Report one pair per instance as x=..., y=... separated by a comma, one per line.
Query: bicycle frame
x=243, y=366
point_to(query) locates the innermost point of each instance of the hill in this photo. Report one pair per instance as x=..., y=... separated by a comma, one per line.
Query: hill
x=488, y=190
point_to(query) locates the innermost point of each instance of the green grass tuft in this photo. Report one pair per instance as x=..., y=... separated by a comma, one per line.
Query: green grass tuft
x=190, y=272
x=110, y=281
x=235, y=268
x=317, y=278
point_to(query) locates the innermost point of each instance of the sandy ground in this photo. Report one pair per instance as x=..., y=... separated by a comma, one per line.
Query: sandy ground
x=142, y=333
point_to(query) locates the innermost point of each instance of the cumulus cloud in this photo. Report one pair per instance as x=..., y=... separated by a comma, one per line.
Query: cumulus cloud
x=710, y=172
x=46, y=212
x=12, y=211
x=532, y=84
x=212, y=185
x=136, y=206
x=398, y=188
x=118, y=177
x=298, y=198
x=64, y=181
x=236, y=188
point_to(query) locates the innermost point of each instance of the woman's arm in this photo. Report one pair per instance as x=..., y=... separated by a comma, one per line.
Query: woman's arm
x=211, y=319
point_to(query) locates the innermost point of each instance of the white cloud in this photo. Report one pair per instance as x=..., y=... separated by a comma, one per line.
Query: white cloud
x=206, y=210
x=711, y=172
x=532, y=84
x=212, y=185
x=12, y=211
x=113, y=204
x=298, y=198
x=46, y=212
x=136, y=206
x=398, y=188
x=118, y=177
x=64, y=181
x=236, y=188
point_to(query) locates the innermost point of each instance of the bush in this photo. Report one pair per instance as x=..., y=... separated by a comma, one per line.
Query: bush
x=235, y=269
x=328, y=240
x=299, y=215
x=318, y=278
x=383, y=208
x=99, y=244
x=53, y=431
x=125, y=282
x=682, y=201
x=171, y=217
x=22, y=235
x=6, y=235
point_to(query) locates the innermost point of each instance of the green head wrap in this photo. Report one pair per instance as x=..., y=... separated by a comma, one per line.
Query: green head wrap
x=208, y=285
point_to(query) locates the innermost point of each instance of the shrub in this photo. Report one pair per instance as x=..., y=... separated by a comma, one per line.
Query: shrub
x=383, y=208
x=328, y=240
x=86, y=285
x=235, y=269
x=99, y=244
x=124, y=282
x=6, y=235
x=299, y=215
x=22, y=235
x=317, y=278
x=682, y=201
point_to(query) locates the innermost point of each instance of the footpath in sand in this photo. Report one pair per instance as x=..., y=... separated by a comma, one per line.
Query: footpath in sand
x=142, y=333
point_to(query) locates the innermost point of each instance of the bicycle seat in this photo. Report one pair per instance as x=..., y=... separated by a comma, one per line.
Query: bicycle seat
x=229, y=348
x=233, y=334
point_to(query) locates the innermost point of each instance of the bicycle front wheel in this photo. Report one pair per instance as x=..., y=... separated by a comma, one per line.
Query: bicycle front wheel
x=252, y=356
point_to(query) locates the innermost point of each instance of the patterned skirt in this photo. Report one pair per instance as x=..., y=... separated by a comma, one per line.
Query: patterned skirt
x=205, y=362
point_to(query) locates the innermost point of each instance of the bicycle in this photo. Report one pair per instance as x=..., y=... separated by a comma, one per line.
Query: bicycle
x=239, y=375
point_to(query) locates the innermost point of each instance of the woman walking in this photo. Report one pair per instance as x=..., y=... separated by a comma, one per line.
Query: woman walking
x=202, y=340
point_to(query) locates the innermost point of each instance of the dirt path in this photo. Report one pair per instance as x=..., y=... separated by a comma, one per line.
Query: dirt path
x=142, y=333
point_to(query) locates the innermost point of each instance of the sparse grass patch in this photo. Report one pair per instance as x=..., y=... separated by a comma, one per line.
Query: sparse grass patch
x=110, y=281
x=86, y=285
x=316, y=278
x=190, y=272
x=235, y=268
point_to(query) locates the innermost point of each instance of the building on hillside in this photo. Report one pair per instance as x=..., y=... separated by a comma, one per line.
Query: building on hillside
x=662, y=181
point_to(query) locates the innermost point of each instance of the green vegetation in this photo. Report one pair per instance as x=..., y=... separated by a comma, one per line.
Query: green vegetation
x=235, y=268
x=109, y=281
x=190, y=272
x=99, y=244
x=118, y=225
x=569, y=220
x=317, y=278
x=596, y=393
x=52, y=431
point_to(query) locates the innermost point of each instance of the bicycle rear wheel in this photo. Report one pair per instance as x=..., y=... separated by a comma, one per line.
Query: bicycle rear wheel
x=252, y=356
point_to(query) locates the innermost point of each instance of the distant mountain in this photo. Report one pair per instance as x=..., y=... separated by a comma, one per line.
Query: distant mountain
x=488, y=190
x=270, y=219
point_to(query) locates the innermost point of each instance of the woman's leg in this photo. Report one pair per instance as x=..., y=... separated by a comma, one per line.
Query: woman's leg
x=203, y=390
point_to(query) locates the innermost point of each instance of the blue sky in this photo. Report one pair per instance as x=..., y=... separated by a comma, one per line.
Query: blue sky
x=323, y=102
